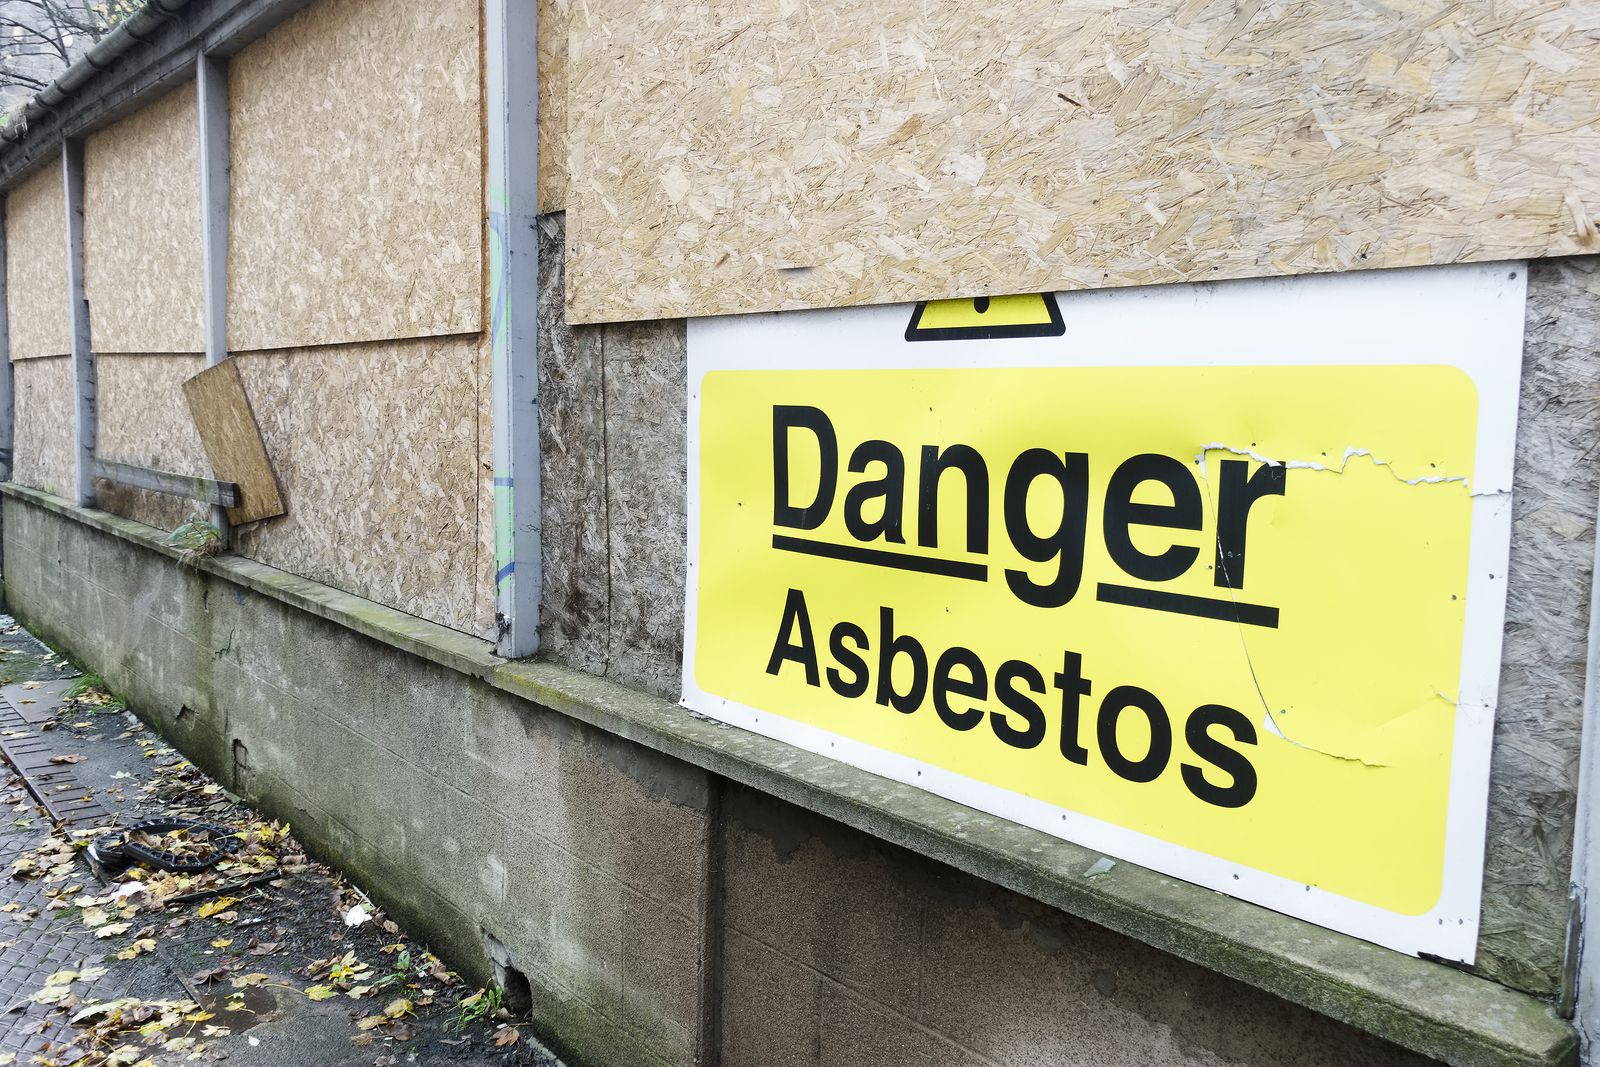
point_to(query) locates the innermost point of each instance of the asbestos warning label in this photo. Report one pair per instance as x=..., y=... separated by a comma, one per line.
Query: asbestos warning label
x=1234, y=618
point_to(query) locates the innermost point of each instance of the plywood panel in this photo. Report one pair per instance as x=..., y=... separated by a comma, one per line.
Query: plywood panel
x=376, y=447
x=227, y=427
x=357, y=212
x=740, y=157
x=141, y=240
x=36, y=267
x=43, y=429
x=141, y=419
x=554, y=17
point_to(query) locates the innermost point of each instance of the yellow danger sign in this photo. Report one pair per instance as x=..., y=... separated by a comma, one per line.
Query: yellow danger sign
x=1220, y=607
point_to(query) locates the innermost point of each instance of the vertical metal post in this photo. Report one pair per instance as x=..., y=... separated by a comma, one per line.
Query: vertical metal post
x=513, y=107
x=83, y=423
x=7, y=405
x=211, y=93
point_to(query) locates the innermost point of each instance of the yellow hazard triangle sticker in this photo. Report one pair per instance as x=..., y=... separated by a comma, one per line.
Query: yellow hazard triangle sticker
x=986, y=317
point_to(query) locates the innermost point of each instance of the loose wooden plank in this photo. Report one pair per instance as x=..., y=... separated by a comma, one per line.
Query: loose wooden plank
x=731, y=158
x=185, y=485
x=232, y=440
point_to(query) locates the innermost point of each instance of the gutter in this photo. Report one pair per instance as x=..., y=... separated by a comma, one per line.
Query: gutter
x=136, y=29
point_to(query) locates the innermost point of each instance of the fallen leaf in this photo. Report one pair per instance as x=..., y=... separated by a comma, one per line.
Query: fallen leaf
x=371, y=1021
x=217, y=906
x=143, y=945
x=506, y=1035
x=113, y=930
x=66, y=759
x=51, y=994
x=398, y=1007
x=321, y=992
x=210, y=974
x=222, y=942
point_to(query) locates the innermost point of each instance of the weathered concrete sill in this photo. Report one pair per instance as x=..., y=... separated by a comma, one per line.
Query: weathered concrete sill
x=1436, y=1010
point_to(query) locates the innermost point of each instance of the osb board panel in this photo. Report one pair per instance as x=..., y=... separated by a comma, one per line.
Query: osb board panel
x=43, y=451
x=36, y=267
x=1539, y=724
x=743, y=157
x=141, y=231
x=356, y=208
x=376, y=449
x=141, y=419
x=227, y=427
x=554, y=17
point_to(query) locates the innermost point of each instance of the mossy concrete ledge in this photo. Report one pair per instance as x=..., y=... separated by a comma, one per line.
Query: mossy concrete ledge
x=1433, y=1009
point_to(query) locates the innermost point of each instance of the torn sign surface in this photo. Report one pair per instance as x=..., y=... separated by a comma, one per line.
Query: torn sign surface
x=1212, y=581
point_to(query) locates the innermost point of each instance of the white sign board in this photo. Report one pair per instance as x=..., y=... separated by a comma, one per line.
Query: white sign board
x=1210, y=578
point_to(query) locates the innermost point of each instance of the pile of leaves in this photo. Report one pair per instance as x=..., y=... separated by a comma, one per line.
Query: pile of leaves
x=126, y=1032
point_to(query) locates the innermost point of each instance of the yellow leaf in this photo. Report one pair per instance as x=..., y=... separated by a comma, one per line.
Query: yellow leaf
x=213, y=907
x=371, y=1021
x=321, y=992
x=112, y=930
x=51, y=994
x=222, y=942
x=398, y=1007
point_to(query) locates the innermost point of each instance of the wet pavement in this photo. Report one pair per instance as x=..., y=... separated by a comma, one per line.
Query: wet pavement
x=267, y=959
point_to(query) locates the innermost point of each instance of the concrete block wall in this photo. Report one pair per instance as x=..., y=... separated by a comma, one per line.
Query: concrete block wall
x=842, y=951
x=467, y=812
x=662, y=915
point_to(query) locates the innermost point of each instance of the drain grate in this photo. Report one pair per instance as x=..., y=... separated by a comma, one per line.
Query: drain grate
x=56, y=786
